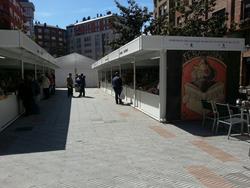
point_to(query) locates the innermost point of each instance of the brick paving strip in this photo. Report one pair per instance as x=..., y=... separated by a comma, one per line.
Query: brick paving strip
x=162, y=132
x=124, y=114
x=208, y=178
x=214, y=151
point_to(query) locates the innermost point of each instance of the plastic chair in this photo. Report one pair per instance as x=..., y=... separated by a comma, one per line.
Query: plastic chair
x=226, y=116
x=209, y=112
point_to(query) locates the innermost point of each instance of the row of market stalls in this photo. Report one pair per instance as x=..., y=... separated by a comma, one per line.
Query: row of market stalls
x=19, y=56
x=166, y=77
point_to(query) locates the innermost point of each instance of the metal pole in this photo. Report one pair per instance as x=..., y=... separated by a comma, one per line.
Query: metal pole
x=134, y=68
x=35, y=72
x=43, y=69
x=111, y=80
x=22, y=64
x=105, y=79
x=163, y=85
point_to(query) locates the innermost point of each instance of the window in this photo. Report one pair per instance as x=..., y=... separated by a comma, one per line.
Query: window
x=87, y=44
x=78, y=43
x=247, y=9
x=86, y=39
x=147, y=77
x=88, y=51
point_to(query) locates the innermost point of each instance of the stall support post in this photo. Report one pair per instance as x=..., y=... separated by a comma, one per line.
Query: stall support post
x=120, y=70
x=22, y=69
x=134, y=68
x=105, y=80
x=35, y=72
x=43, y=69
x=111, y=80
x=163, y=85
x=100, y=78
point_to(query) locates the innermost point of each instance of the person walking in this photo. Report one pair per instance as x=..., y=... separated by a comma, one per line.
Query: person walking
x=70, y=85
x=82, y=84
x=117, y=86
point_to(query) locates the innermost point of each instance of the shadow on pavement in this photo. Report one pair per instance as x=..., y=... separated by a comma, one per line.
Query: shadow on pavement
x=196, y=128
x=39, y=133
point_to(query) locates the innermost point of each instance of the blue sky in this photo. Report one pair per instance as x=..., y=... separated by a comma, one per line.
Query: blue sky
x=66, y=12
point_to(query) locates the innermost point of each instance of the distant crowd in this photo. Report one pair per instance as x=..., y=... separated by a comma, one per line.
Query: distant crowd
x=80, y=84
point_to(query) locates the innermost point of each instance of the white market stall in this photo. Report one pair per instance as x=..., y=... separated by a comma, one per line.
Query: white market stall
x=76, y=64
x=19, y=55
x=166, y=76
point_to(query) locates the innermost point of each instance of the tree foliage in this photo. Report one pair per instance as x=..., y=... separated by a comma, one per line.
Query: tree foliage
x=129, y=22
x=196, y=19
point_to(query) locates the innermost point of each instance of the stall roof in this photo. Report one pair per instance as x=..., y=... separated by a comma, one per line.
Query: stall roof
x=150, y=46
x=16, y=45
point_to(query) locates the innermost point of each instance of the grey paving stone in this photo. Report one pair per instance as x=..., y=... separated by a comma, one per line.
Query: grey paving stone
x=84, y=143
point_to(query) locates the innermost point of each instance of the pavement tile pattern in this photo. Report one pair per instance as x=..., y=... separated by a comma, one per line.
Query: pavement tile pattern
x=92, y=142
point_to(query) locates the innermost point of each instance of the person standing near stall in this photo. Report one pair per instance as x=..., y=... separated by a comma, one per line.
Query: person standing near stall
x=70, y=85
x=82, y=84
x=45, y=86
x=117, y=86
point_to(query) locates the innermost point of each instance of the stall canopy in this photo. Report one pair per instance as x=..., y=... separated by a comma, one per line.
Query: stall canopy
x=146, y=47
x=76, y=64
x=16, y=45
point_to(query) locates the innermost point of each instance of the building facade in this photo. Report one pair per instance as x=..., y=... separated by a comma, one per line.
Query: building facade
x=28, y=12
x=51, y=38
x=164, y=7
x=11, y=15
x=91, y=37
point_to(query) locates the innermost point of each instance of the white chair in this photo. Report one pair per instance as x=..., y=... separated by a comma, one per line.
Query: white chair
x=226, y=116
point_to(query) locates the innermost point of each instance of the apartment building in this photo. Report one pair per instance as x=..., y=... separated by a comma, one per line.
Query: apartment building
x=51, y=38
x=91, y=37
x=28, y=13
x=164, y=7
x=11, y=15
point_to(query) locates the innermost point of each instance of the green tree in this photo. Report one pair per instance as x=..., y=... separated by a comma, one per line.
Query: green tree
x=128, y=24
x=197, y=19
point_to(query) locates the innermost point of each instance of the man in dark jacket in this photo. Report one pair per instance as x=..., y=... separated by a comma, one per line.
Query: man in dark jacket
x=117, y=86
x=82, y=86
x=70, y=85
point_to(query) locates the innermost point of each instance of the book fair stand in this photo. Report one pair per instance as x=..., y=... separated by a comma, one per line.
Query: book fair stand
x=166, y=77
x=19, y=56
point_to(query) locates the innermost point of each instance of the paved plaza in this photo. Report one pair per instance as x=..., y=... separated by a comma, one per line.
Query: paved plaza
x=93, y=143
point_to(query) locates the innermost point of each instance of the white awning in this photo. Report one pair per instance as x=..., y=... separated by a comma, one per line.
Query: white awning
x=145, y=47
x=16, y=45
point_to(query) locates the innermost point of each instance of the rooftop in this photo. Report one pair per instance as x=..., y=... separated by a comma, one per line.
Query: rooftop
x=94, y=19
